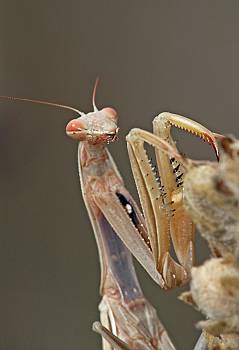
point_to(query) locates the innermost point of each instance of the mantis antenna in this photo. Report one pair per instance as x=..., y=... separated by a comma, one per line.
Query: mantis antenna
x=94, y=93
x=12, y=98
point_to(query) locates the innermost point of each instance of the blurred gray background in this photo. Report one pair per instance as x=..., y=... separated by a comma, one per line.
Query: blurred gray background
x=151, y=56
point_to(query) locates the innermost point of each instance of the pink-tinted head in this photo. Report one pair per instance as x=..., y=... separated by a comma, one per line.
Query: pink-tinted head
x=95, y=127
x=99, y=126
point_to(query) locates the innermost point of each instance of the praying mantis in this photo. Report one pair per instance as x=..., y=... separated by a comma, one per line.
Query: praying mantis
x=128, y=321
x=114, y=213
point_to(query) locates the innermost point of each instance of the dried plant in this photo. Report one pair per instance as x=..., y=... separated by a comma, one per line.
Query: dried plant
x=213, y=204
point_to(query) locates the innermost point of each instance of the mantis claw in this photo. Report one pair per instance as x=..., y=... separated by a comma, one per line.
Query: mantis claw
x=167, y=120
x=173, y=273
x=167, y=220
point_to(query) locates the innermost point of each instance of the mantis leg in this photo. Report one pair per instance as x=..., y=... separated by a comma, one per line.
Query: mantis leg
x=109, y=338
x=162, y=198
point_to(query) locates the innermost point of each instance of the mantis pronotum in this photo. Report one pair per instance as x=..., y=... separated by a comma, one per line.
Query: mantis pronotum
x=128, y=320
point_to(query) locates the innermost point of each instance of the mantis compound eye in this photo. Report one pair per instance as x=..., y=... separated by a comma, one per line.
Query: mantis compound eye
x=110, y=113
x=76, y=130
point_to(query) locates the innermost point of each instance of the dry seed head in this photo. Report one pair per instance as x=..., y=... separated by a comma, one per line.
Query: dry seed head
x=215, y=290
x=214, y=212
x=229, y=165
x=230, y=341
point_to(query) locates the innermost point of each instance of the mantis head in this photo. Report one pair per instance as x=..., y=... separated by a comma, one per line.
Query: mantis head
x=94, y=127
x=99, y=126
